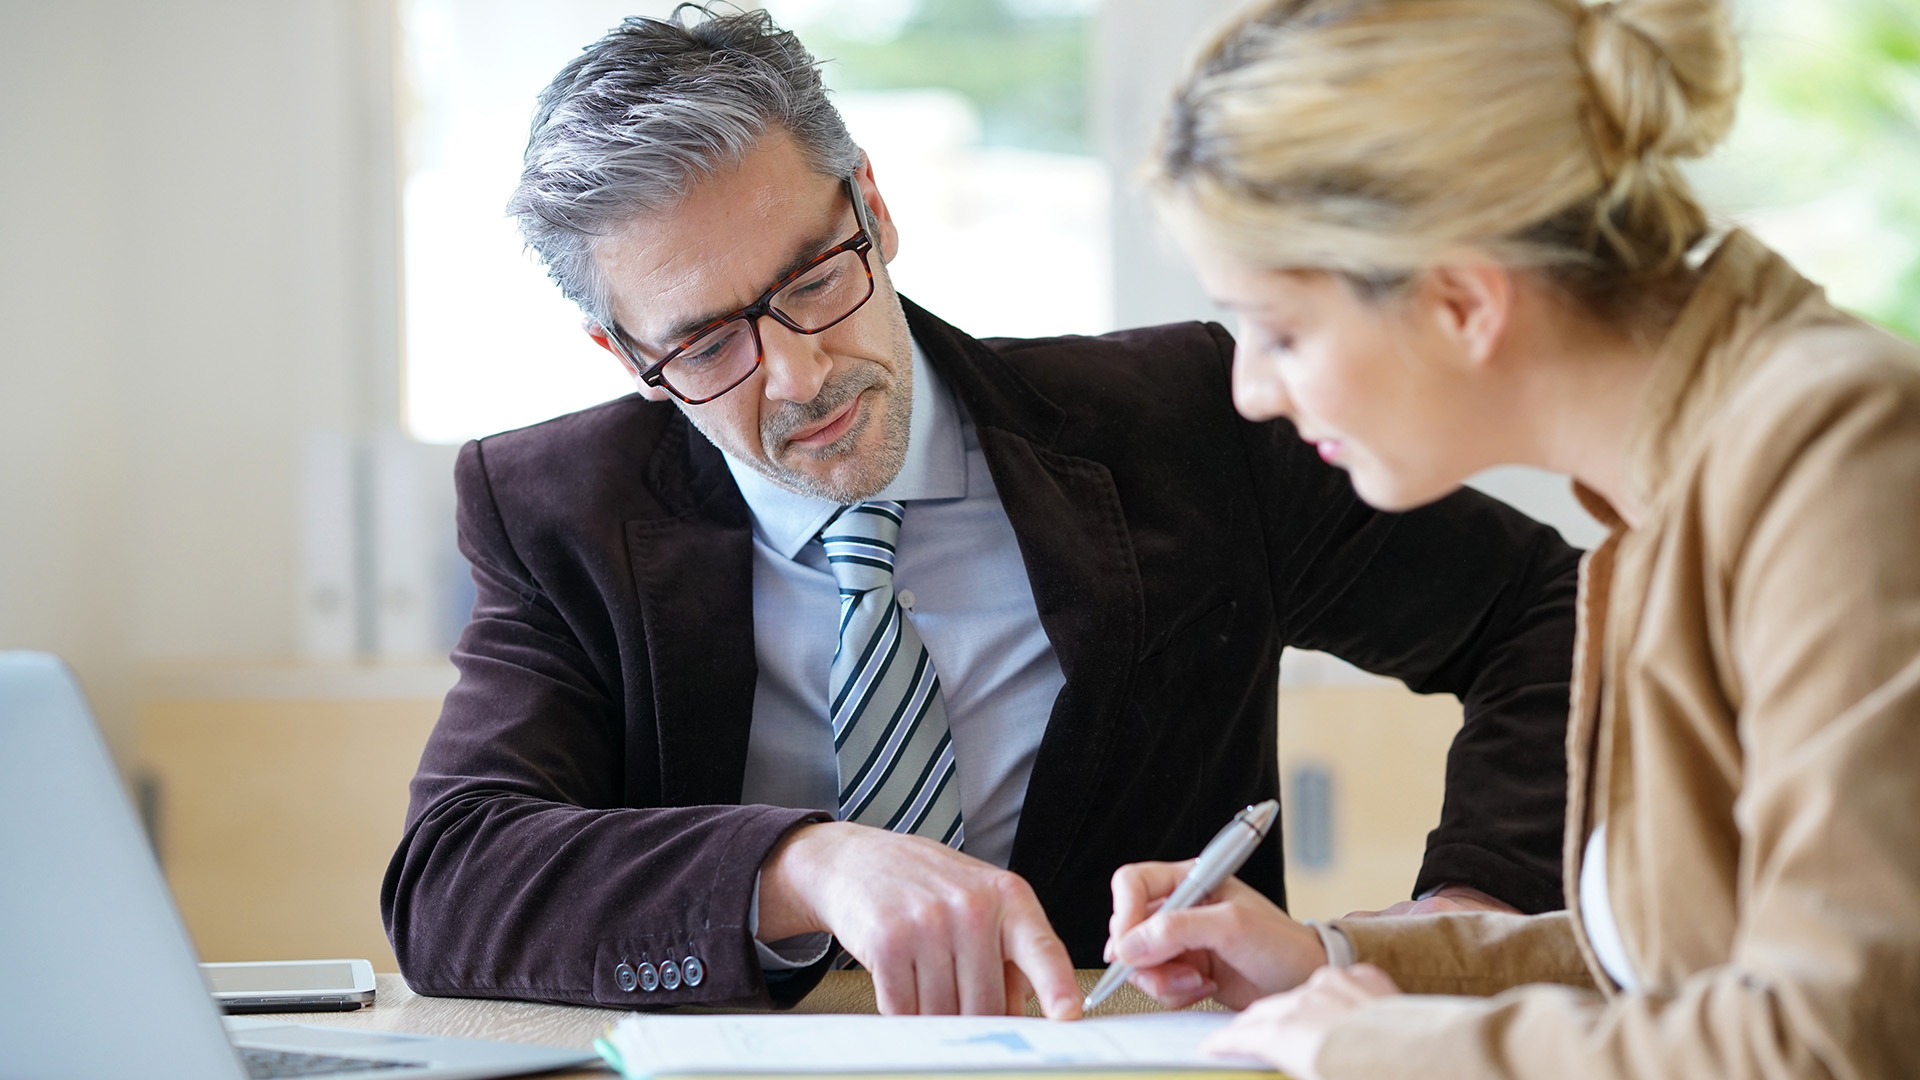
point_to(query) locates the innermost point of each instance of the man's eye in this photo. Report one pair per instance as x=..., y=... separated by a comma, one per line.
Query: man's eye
x=819, y=282
x=709, y=349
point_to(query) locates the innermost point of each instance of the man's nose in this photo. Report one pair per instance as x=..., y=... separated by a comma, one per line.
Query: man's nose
x=1258, y=391
x=794, y=363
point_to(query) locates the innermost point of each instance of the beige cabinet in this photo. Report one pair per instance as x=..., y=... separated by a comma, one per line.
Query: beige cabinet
x=1380, y=751
x=275, y=814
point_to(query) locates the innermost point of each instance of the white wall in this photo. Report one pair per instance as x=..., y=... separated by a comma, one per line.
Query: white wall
x=62, y=469
x=197, y=268
x=1140, y=49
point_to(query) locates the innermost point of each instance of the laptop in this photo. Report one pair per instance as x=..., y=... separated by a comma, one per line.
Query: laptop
x=97, y=976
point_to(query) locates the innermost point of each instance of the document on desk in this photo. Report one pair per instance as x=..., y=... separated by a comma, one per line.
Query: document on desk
x=759, y=1044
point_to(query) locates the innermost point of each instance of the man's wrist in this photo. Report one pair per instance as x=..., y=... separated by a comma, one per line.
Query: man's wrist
x=784, y=888
x=784, y=954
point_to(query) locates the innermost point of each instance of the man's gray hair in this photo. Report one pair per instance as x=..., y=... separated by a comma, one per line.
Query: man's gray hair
x=642, y=115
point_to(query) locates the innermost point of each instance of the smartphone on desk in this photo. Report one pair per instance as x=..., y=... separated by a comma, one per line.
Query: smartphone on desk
x=290, y=985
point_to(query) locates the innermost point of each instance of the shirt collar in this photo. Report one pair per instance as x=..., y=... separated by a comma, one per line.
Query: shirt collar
x=935, y=468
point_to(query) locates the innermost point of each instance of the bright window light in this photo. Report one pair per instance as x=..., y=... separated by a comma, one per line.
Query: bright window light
x=1003, y=228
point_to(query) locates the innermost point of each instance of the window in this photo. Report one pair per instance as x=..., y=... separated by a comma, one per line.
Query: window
x=973, y=112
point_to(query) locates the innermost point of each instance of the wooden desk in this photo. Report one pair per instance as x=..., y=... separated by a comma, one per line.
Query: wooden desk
x=397, y=1008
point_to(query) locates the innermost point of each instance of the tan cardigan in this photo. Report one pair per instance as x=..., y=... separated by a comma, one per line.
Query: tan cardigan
x=1746, y=720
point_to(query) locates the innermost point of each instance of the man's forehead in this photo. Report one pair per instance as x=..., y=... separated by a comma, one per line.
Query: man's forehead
x=672, y=270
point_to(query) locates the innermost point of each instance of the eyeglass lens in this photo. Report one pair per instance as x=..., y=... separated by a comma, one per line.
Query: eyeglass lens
x=719, y=359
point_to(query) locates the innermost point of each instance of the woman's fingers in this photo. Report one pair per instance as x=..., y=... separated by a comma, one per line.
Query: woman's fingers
x=1138, y=889
x=1286, y=1030
x=1175, y=985
x=1168, y=934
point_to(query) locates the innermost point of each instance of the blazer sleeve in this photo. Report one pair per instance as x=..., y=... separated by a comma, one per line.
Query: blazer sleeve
x=1466, y=596
x=525, y=870
x=1823, y=630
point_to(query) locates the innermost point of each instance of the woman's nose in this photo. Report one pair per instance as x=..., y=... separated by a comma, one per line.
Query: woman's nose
x=1258, y=391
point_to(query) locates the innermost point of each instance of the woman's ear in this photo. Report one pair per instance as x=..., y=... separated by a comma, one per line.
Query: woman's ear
x=599, y=335
x=1472, y=304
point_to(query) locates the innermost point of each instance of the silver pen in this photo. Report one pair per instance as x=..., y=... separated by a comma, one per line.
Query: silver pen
x=1224, y=854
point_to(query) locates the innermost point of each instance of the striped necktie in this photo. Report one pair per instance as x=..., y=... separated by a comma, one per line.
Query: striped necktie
x=889, y=721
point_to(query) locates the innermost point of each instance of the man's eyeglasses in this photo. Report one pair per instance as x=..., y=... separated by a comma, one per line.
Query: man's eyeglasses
x=724, y=353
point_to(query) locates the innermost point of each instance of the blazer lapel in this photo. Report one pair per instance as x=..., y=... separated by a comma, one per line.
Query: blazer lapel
x=1067, y=517
x=693, y=571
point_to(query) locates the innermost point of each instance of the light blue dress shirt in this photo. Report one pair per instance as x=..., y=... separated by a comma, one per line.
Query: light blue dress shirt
x=959, y=577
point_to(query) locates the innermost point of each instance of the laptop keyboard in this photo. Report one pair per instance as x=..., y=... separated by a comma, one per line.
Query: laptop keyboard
x=267, y=1064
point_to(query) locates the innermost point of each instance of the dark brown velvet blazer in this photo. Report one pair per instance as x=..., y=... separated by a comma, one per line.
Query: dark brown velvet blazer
x=576, y=807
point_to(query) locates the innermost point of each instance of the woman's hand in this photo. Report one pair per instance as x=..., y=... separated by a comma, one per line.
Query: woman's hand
x=1236, y=948
x=1286, y=1030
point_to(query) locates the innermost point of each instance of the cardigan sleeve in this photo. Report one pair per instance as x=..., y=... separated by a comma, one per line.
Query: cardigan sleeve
x=1471, y=952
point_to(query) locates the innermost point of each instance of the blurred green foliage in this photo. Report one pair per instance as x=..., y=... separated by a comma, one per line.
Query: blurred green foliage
x=1842, y=80
x=1023, y=66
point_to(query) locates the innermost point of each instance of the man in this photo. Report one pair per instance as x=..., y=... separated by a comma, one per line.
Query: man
x=853, y=631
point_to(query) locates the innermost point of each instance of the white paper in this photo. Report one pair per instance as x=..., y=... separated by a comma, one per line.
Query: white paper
x=652, y=1045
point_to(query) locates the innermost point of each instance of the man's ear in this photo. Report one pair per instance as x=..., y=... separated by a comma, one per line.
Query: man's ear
x=1472, y=302
x=880, y=225
x=599, y=335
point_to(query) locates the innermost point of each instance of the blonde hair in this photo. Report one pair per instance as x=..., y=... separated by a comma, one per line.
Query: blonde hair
x=1368, y=137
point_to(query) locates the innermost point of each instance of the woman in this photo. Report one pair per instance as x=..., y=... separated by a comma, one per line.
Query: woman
x=1455, y=237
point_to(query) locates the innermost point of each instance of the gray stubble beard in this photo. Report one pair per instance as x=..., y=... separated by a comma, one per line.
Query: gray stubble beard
x=881, y=466
x=878, y=469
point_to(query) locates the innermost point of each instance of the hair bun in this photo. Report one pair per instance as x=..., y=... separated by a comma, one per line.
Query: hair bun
x=1665, y=76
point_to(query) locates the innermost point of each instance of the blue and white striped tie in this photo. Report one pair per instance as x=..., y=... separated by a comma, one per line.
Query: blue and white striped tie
x=889, y=721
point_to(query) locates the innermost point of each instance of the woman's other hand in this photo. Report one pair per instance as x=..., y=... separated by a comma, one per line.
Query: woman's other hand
x=1286, y=1030
x=1236, y=947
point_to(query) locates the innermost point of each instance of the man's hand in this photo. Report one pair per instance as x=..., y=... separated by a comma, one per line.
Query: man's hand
x=941, y=932
x=1443, y=899
x=1235, y=948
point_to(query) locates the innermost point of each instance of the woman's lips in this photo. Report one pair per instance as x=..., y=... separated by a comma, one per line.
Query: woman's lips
x=831, y=428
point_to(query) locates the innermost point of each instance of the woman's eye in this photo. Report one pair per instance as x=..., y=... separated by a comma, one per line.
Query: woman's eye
x=1266, y=338
x=1277, y=342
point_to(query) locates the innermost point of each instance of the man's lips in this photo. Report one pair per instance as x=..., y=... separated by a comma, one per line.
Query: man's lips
x=825, y=432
